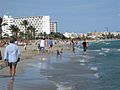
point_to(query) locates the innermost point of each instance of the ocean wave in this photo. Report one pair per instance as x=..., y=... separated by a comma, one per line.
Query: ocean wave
x=118, y=49
x=102, y=54
x=94, y=68
x=105, y=49
x=107, y=43
x=83, y=61
x=63, y=87
x=87, y=57
x=97, y=75
x=82, y=64
x=95, y=50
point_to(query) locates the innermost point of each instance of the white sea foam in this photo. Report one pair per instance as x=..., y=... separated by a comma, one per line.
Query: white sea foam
x=102, y=54
x=97, y=75
x=94, y=68
x=95, y=50
x=105, y=49
x=87, y=57
x=118, y=49
x=82, y=64
x=62, y=87
x=83, y=61
x=107, y=43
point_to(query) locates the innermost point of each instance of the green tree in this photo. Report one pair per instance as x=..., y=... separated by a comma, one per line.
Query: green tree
x=40, y=35
x=21, y=35
x=45, y=34
x=25, y=24
x=15, y=30
x=57, y=35
x=31, y=30
x=6, y=36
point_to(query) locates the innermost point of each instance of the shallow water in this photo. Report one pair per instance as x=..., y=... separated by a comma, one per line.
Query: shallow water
x=98, y=69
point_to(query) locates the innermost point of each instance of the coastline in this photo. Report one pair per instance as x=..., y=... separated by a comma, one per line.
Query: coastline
x=24, y=67
x=31, y=51
x=58, y=74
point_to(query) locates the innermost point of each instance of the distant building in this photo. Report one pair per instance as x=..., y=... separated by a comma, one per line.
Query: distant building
x=95, y=34
x=70, y=35
x=9, y=21
x=40, y=23
x=53, y=26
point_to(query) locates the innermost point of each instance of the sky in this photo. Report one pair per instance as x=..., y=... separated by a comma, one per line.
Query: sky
x=78, y=16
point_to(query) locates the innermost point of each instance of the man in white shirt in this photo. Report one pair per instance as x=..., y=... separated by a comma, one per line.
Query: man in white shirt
x=12, y=53
x=42, y=44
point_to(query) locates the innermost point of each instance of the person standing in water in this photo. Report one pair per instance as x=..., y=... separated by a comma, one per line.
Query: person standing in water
x=42, y=44
x=12, y=53
x=73, y=46
x=50, y=44
x=85, y=45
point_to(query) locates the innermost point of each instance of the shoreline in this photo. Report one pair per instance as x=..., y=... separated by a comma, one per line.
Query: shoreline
x=31, y=51
x=54, y=74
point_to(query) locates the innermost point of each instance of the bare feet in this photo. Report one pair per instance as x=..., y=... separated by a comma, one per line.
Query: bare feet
x=12, y=78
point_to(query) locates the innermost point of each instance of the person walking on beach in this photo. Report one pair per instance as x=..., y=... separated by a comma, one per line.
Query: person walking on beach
x=73, y=46
x=42, y=44
x=25, y=46
x=85, y=45
x=12, y=53
x=50, y=44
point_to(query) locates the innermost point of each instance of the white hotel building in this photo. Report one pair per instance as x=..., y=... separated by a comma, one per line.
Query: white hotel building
x=40, y=23
x=9, y=21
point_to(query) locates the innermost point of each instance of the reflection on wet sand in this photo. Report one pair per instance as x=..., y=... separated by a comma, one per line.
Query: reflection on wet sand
x=10, y=85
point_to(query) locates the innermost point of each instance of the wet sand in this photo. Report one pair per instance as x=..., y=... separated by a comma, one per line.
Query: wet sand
x=48, y=72
x=27, y=75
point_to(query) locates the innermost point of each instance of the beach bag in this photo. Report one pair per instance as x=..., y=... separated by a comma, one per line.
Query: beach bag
x=18, y=60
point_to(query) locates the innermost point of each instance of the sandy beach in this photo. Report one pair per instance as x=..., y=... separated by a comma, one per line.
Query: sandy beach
x=23, y=81
x=69, y=71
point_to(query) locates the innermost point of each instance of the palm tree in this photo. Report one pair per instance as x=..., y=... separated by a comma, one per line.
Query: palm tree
x=1, y=24
x=21, y=35
x=31, y=29
x=25, y=24
x=6, y=35
x=15, y=30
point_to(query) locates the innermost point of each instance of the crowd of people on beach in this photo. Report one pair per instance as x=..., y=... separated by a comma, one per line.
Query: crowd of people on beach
x=12, y=52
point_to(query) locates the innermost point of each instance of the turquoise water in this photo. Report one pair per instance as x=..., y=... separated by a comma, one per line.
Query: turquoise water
x=107, y=60
x=98, y=69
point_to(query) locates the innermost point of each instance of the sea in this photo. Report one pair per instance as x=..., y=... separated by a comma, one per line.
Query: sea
x=97, y=69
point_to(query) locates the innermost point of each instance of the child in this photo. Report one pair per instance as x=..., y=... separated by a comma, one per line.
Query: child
x=58, y=52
